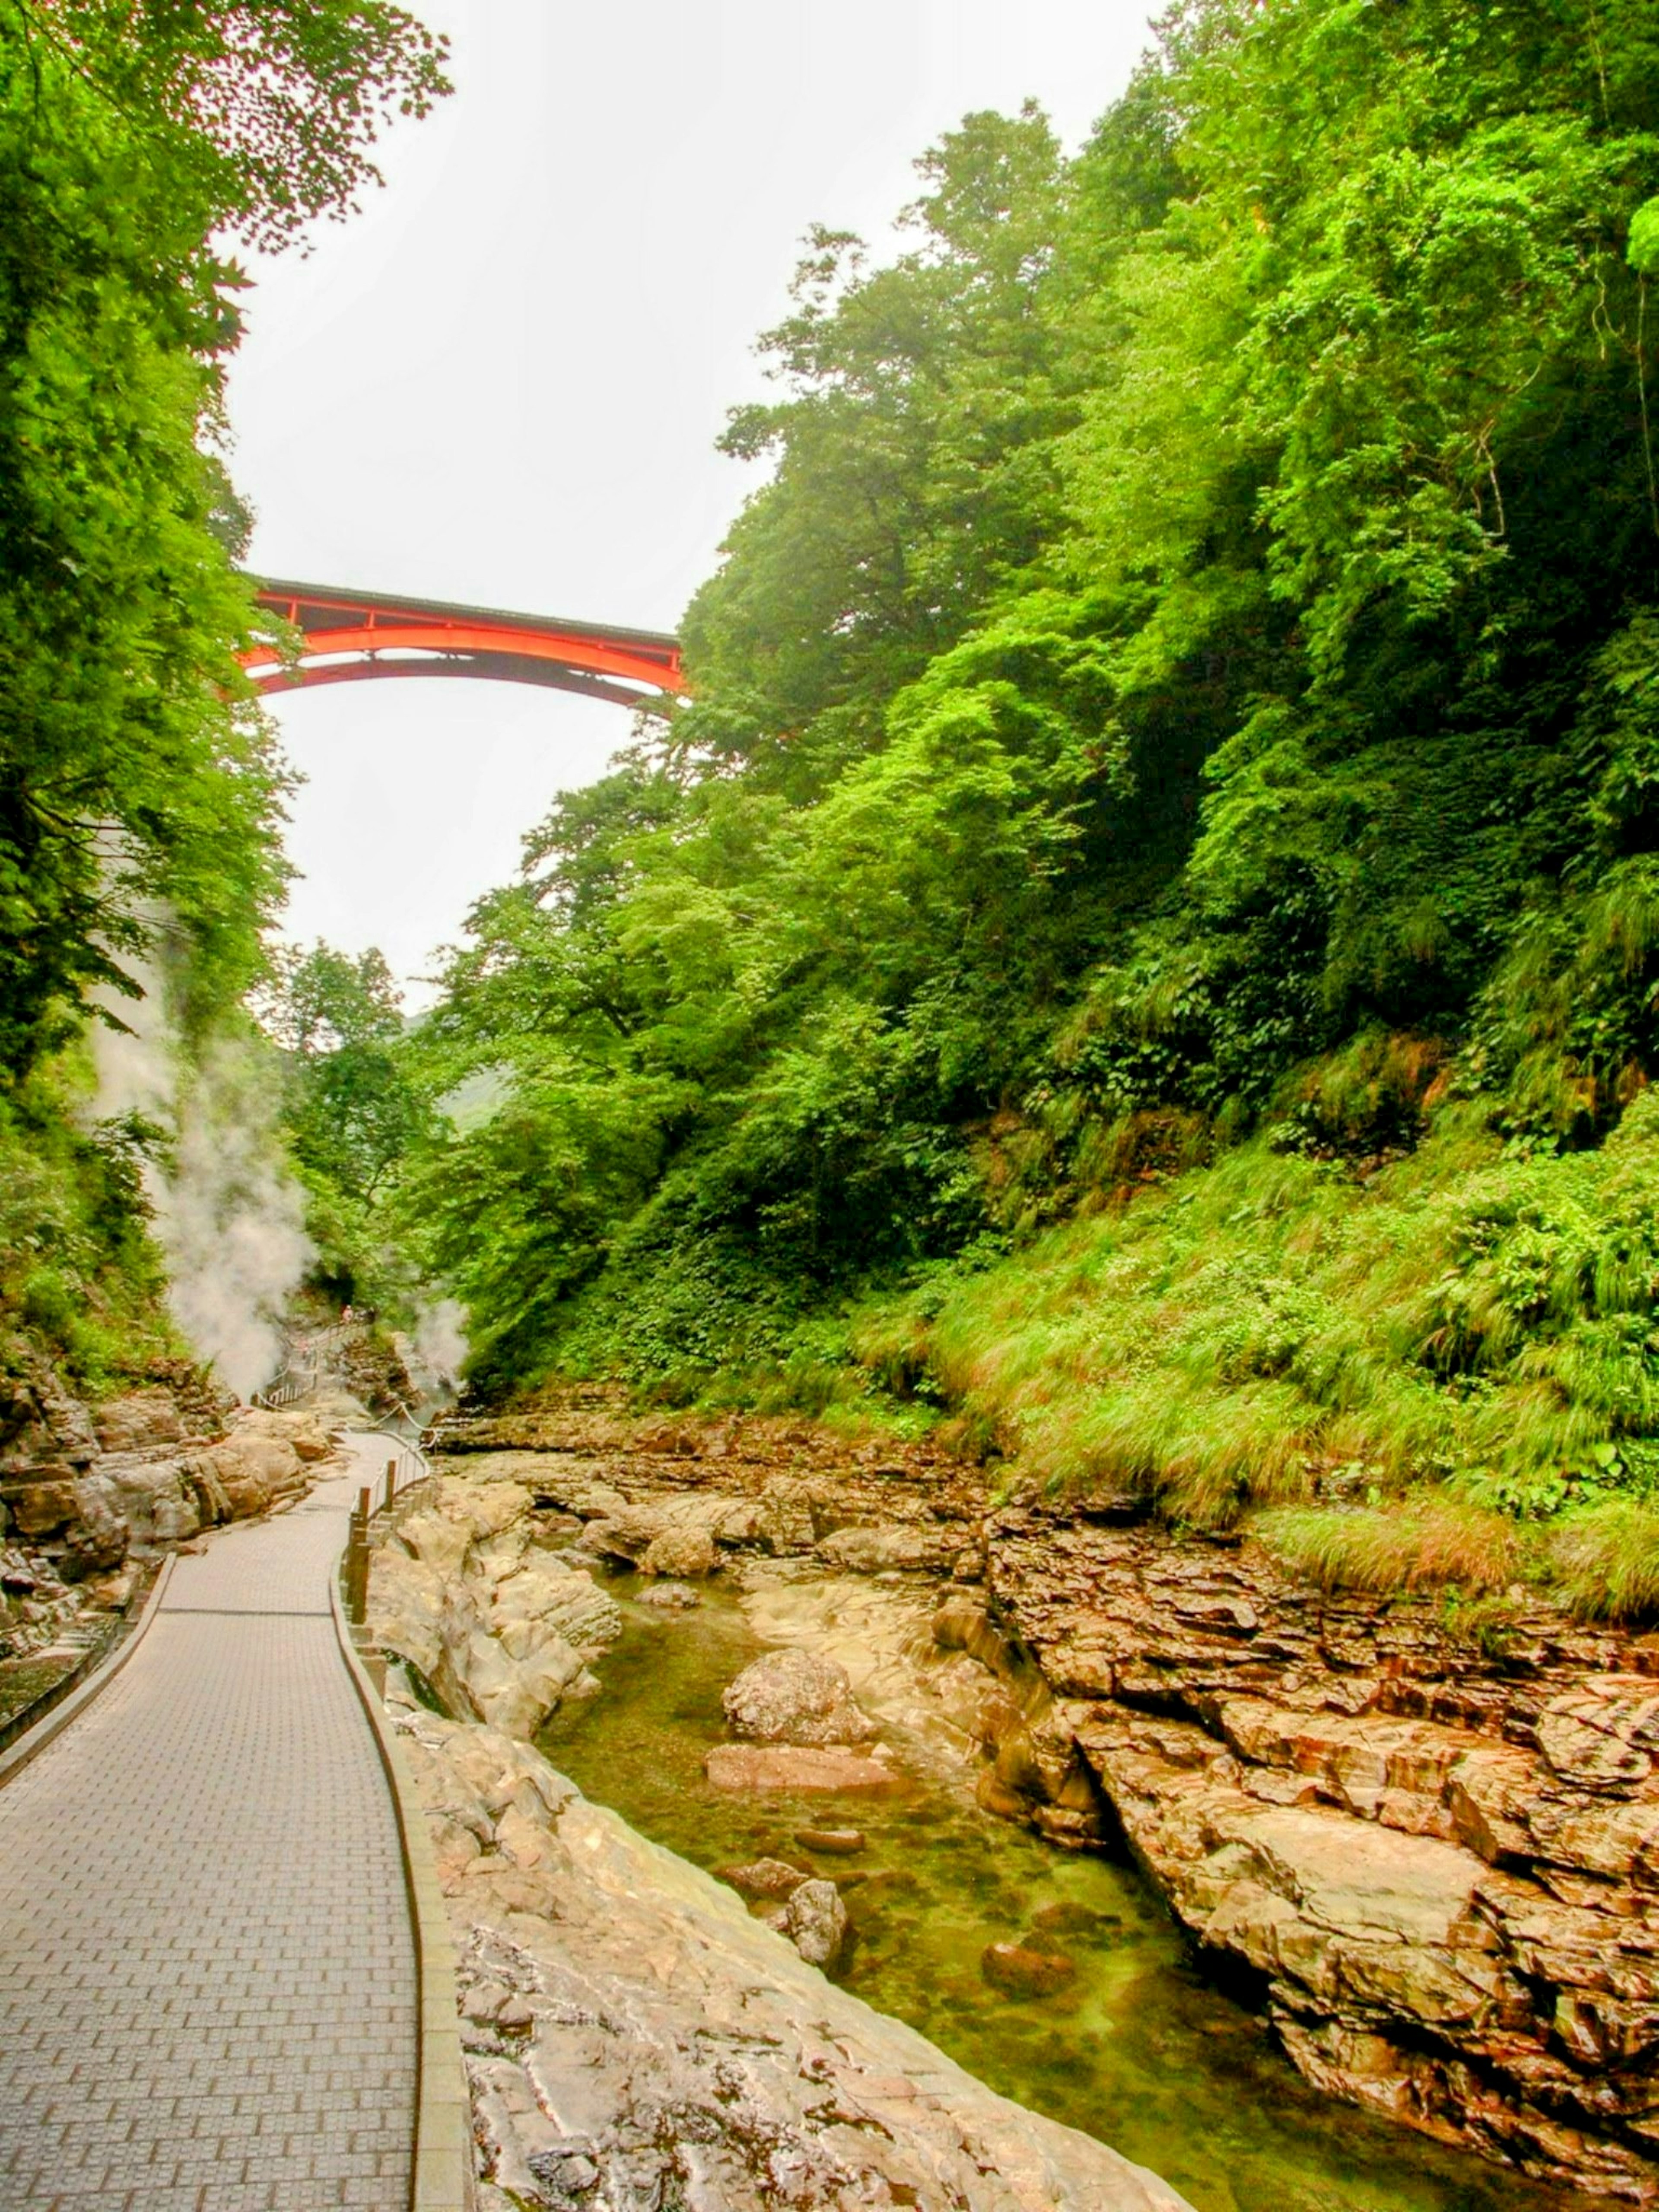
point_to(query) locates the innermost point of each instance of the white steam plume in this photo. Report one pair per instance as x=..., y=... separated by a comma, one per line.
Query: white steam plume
x=229, y=1217
x=439, y=1348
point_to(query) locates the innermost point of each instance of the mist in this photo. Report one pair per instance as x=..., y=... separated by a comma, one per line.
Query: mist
x=228, y=1215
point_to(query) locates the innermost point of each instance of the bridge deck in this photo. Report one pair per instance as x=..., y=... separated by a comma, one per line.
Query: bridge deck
x=208, y=1991
x=346, y=635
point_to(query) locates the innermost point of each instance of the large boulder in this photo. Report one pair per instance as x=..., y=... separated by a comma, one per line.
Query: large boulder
x=627, y=1535
x=256, y=1465
x=679, y=1554
x=795, y=1697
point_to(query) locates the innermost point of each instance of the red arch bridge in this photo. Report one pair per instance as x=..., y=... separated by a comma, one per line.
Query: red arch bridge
x=346, y=636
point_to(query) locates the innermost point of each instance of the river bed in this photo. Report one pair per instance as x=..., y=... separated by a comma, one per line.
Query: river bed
x=1138, y=2051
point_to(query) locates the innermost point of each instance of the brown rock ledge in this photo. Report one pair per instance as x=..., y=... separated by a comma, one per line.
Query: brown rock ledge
x=1440, y=1866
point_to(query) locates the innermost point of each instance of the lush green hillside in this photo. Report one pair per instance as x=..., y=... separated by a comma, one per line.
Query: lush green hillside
x=1172, y=752
x=1145, y=941
x=140, y=793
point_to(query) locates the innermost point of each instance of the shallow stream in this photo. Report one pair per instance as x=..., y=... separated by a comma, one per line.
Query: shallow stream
x=1138, y=2049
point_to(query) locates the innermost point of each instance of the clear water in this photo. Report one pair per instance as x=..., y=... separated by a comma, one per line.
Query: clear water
x=1138, y=2051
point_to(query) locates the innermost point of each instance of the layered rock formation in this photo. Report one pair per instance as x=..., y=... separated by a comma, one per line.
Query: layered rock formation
x=636, y=2038
x=501, y=1627
x=1441, y=1867
x=88, y=1494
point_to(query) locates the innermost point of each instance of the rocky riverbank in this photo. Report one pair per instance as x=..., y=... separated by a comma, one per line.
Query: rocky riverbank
x=1440, y=1863
x=1433, y=1865
x=635, y=2038
x=92, y=1496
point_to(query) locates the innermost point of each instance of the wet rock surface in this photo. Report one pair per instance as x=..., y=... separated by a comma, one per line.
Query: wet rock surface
x=795, y=1697
x=815, y=1920
x=774, y=1878
x=808, y=1769
x=639, y=2038
x=838, y=1843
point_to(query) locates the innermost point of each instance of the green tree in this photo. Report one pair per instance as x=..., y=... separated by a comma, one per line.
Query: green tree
x=356, y=1104
x=1200, y=617
x=136, y=777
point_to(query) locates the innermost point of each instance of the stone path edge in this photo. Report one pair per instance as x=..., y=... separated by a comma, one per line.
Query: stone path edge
x=50, y=1725
x=442, y=2179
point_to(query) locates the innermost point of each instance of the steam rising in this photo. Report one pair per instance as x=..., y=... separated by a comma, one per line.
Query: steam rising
x=439, y=1348
x=229, y=1217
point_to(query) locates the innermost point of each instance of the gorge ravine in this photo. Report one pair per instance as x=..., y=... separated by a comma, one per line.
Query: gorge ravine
x=1426, y=1865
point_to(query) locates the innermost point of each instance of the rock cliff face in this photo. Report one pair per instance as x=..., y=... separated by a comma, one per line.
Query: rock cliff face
x=1440, y=1868
x=501, y=1627
x=86, y=1494
x=1436, y=1867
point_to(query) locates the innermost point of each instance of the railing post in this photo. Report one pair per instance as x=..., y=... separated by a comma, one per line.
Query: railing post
x=391, y=1482
x=357, y=1563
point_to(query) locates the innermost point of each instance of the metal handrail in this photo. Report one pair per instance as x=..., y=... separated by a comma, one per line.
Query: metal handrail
x=297, y=1377
x=408, y=1466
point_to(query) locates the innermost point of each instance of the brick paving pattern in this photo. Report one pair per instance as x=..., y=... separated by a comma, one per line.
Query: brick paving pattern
x=207, y=1975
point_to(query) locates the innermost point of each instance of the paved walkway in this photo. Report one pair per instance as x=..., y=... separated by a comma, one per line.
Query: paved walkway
x=207, y=1976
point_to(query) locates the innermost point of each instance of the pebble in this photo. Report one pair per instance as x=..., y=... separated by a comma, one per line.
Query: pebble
x=837, y=1841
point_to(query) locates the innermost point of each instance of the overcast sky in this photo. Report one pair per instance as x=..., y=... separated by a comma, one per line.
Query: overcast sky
x=501, y=381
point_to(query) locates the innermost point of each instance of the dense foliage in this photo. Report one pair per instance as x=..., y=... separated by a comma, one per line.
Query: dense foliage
x=132, y=773
x=356, y=1105
x=140, y=793
x=1203, y=618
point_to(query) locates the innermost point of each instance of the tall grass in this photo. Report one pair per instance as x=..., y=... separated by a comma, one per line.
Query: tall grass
x=1607, y=1560
x=1280, y=1329
x=1437, y=1542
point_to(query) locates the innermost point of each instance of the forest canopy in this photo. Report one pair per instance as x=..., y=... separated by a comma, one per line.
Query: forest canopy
x=1203, y=616
x=141, y=792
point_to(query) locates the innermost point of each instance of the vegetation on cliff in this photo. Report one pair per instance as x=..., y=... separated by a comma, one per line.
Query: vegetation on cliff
x=1146, y=937
x=1148, y=932
x=140, y=792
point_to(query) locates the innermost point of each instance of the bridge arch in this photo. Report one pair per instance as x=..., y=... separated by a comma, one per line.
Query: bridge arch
x=350, y=636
